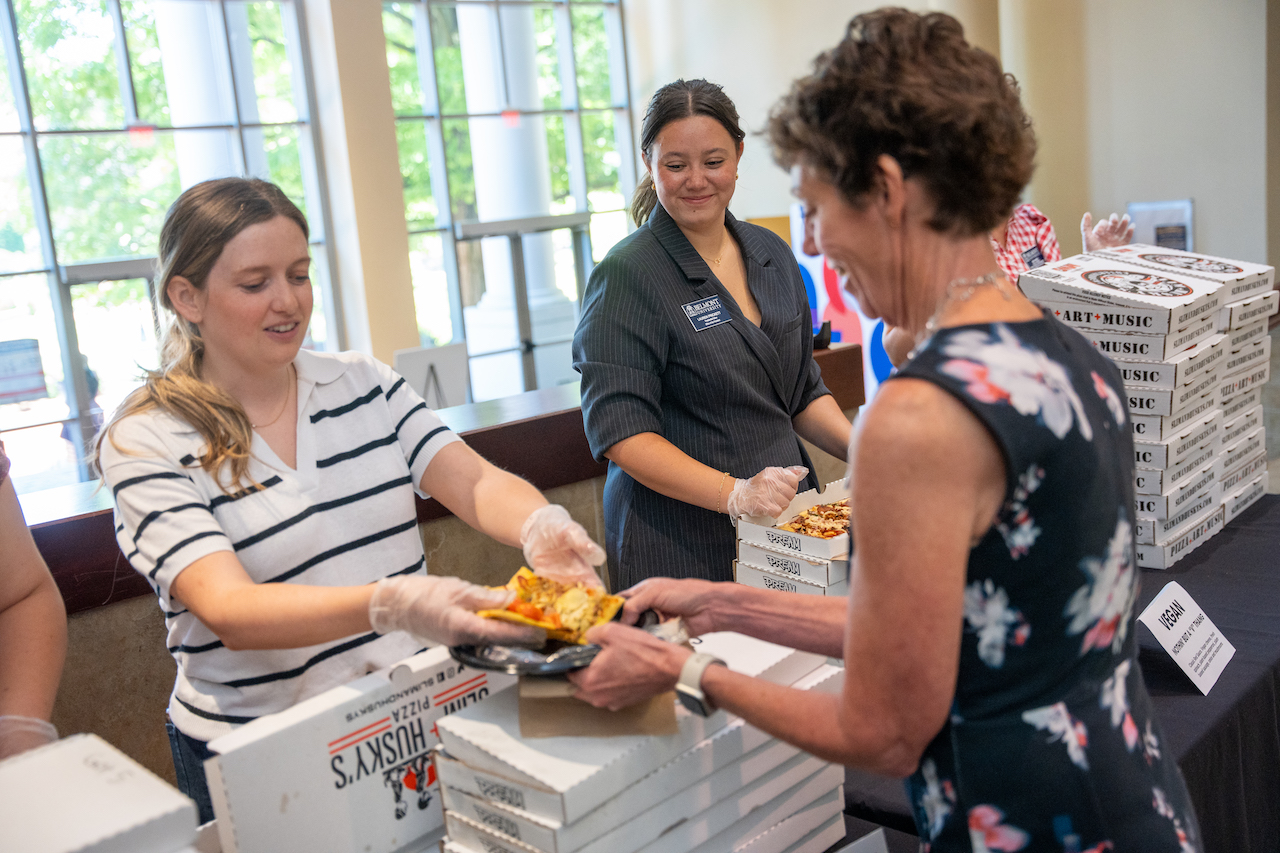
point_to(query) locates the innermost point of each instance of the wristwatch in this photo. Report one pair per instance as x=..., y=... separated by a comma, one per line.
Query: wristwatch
x=689, y=685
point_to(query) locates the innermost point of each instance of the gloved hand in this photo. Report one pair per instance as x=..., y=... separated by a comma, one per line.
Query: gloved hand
x=442, y=610
x=1107, y=234
x=767, y=493
x=557, y=547
x=18, y=734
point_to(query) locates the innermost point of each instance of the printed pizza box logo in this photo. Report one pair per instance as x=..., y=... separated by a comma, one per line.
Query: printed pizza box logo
x=396, y=747
x=1193, y=263
x=1145, y=284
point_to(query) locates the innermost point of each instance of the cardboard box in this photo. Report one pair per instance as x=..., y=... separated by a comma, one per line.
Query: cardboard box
x=764, y=579
x=724, y=747
x=1244, y=497
x=1241, y=314
x=581, y=773
x=764, y=531
x=782, y=836
x=82, y=794
x=1165, y=427
x=1240, y=279
x=822, y=838
x=1135, y=347
x=1164, y=555
x=1246, y=334
x=1245, y=448
x=795, y=783
x=1241, y=425
x=1237, y=383
x=1177, y=371
x=812, y=569
x=1105, y=282
x=1151, y=482
x=1243, y=401
x=1107, y=318
x=1149, y=531
x=1164, y=506
x=1173, y=451
x=1170, y=401
x=1249, y=357
x=349, y=768
x=617, y=827
x=1246, y=471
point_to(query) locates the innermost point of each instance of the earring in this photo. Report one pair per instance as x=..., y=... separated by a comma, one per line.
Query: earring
x=737, y=175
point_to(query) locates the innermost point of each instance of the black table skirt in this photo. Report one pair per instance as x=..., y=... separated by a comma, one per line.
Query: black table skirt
x=1227, y=743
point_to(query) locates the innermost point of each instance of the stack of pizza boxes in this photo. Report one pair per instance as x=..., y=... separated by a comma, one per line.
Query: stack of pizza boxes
x=1176, y=338
x=716, y=784
x=770, y=557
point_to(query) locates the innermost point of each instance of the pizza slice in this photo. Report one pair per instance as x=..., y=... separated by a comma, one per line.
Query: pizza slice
x=564, y=611
x=825, y=521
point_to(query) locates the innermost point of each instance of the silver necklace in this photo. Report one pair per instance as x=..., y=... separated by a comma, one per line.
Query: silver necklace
x=957, y=290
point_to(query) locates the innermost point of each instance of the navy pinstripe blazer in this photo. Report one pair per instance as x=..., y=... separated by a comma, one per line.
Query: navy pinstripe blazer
x=725, y=395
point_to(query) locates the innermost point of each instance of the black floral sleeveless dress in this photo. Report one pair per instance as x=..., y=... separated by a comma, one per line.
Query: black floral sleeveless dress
x=1051, y=744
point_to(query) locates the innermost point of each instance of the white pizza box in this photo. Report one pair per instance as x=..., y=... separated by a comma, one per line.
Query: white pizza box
x=1104, y=282
x=1164, y=555
x=1164, y=506
x=798, y=781
x=1240, y=279
x=1245, y=472
x=784, y=835
x=1170, y=401
x=760, y=578
x=1248, y=358
x=1177, y=371
x=821, y=572
x=1246, y=399
x=1172, y=451
x=1165, y=427
x=1136, y=347
x=1149, y=531
x=1243, y=449
x=822, y=838
x=581, y=773
x=725, y=746
x=1109, y=318
x=349, y=768
x=624, y=829
x=82, y=794
x=1231, y=385
x=1162, y=482
x=1241, y=425
x=1244, y=497
x=762, y=530
x=1240, y=314
x=1246, y=334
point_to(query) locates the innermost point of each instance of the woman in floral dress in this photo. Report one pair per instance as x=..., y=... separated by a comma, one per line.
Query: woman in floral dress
x=989, y=633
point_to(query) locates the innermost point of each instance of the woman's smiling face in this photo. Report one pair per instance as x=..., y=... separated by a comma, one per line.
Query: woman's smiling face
x=694, y=164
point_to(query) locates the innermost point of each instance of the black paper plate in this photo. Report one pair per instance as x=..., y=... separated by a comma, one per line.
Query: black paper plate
x=517, y=661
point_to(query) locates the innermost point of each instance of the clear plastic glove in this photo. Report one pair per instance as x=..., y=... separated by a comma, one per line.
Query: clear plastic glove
x=18, y=734
x=557, y=547
x=1107, y=234
x=442, y=610
x=767, y=493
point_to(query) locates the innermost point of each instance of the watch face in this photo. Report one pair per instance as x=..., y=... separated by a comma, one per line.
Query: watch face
x=692, y=702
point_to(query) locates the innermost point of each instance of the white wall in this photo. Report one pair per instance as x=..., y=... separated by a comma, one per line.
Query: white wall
x=1176, y=108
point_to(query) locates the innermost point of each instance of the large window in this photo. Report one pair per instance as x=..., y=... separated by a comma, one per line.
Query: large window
x=108, y=110
x=513, y=121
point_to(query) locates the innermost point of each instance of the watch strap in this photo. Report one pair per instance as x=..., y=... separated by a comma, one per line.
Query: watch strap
x=689, y=684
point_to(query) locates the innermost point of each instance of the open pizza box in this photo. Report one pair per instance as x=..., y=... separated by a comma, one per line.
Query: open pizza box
x=762, y=530
x=1240, y=279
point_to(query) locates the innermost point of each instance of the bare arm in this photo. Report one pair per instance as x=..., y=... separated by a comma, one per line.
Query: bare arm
x=491, y=500
x=33, y=620
x=929, y=482
x=668, y=470
x=823, y=424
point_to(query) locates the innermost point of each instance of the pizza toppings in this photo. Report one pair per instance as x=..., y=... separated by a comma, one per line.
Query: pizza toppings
x=565, y=611
x=825, y=521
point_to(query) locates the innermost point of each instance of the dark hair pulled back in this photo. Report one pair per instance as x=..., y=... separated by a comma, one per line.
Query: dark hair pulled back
x=910, y=86
x=674, y=101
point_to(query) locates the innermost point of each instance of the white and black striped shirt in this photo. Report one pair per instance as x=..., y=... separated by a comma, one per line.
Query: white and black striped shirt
x=345, y=517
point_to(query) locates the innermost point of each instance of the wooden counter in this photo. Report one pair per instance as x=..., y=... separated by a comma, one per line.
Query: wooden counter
x=537, y=435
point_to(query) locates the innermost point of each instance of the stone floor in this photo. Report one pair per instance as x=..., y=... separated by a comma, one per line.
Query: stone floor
x=1271, y=408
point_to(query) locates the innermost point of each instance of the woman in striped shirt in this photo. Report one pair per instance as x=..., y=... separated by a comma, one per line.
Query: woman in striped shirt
x=267, y=492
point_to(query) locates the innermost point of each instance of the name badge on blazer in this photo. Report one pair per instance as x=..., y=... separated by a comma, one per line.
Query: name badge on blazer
x=706, y=313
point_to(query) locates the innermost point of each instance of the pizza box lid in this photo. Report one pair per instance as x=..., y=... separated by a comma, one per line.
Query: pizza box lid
x=1242, y=278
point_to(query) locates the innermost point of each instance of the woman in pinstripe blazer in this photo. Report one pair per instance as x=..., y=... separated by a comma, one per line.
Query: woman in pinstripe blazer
x=696, y=356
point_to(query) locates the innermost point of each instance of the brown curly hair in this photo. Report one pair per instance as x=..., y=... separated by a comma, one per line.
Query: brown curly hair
x=911, y=87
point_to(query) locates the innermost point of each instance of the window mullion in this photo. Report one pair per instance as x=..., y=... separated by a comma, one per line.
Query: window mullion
x=573, y=150
x=624, y=139
x=124, y=74
x=235, y=86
